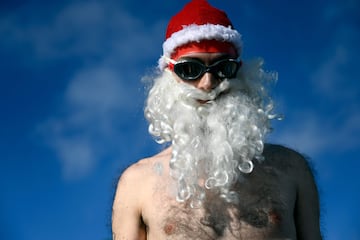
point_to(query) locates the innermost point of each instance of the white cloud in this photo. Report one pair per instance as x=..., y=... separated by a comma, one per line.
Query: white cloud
x=327, y=79
x=80, y=29
x=94, y=105
x=88, y=123
x=331, y=124
x=77, y=155
x=315, y=134
x=338, y=76
x=97, y=91
x=335, y=10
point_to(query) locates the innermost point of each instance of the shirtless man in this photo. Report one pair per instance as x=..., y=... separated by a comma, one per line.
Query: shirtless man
x=217, y=179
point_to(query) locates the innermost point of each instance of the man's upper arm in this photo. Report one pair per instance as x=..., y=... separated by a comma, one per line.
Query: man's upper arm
x=126, y=218
x=307, y=209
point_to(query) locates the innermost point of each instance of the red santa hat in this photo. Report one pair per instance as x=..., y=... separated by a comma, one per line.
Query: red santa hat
x=198, y=22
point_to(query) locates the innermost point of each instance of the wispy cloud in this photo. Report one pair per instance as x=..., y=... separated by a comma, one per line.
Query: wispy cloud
x=332, y=123
x=314, y=133
x=94, y=105
x=87, y=123
x=337, y=10
x=79, y=29
x=338, y=75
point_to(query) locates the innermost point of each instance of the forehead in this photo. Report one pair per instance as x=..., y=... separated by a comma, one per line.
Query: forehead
x=207, y=57
x=204, y=46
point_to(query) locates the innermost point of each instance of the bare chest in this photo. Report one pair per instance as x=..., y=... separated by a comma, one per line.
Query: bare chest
x=264, y=211
x=224, y=223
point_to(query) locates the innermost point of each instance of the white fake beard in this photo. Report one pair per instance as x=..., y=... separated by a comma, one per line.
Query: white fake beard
x=214, y=143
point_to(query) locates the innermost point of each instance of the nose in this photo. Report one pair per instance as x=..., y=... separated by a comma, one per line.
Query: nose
x=207, y=82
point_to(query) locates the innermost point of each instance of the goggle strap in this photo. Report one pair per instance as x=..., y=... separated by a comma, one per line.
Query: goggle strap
x=171, y=63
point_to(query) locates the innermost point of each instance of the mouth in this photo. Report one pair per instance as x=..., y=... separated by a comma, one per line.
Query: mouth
x=204, y=101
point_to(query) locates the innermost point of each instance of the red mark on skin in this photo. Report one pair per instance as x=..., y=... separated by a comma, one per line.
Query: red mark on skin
x=275, y=217
x=169, y=228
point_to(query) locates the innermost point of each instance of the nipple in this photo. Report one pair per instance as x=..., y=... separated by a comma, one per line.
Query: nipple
x=274, y=217
x=169, y=228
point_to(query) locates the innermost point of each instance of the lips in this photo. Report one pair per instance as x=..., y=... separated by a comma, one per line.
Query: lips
x=203, y=101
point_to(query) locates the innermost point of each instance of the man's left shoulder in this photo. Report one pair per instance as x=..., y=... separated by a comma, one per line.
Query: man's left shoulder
x=285, y=157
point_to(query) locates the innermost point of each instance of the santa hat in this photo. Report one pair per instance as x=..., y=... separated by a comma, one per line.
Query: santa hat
x=196, y=22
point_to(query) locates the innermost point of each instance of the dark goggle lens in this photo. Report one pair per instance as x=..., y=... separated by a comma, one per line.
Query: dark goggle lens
x=192, y=70
x=188, y=70
x=227, y=69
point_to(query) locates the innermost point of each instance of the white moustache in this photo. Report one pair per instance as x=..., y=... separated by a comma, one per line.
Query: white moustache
x=191, y=92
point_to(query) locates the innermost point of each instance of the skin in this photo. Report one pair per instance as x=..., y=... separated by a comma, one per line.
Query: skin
x=278, y=200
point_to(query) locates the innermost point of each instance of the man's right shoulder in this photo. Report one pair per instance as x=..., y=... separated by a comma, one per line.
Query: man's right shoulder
x=135, y=172
x=130, y=188
x=144, y=168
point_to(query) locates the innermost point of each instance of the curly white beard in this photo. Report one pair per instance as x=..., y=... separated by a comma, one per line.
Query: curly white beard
x=214, y=143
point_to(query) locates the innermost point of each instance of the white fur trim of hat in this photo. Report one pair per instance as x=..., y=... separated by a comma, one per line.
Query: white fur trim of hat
x=196, y=33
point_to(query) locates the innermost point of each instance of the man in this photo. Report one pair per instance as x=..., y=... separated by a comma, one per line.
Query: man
x=217, y=179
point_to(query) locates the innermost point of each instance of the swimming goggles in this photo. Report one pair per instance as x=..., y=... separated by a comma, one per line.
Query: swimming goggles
x=193, y=69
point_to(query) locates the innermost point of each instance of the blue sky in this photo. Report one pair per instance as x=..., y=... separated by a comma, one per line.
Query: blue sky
x=71, y=101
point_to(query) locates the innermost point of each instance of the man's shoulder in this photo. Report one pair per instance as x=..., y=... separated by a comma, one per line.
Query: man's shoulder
x=136, y=181
x=285, y=157
x=136, y=171
x=145, y=167
x=281, y=150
